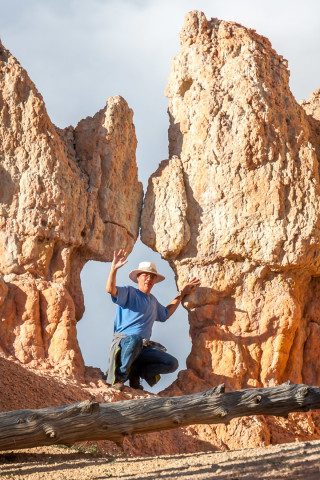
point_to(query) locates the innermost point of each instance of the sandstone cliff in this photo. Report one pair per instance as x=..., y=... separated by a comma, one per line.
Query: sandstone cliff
x=66, y=196
x=237, y=205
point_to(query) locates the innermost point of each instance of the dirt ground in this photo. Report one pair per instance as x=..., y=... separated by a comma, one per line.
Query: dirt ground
x=291, y=461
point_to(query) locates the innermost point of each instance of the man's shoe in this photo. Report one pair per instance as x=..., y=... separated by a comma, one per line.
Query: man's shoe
x=134, y=382
x=118, y=386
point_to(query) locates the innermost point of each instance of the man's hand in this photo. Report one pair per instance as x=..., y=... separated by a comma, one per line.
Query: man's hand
x=187, y=289
x=119, y=259
x=190, y=286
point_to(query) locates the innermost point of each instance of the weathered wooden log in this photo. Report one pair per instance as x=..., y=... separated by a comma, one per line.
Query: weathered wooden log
x=113, y=421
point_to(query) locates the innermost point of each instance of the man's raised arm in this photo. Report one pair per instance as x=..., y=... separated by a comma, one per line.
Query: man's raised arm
x=187, y=289
x=119, y=259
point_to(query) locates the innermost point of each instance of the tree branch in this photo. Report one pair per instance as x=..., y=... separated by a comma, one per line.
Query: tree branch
x=113, y=421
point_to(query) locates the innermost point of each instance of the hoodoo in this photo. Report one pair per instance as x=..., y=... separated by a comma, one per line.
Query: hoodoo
x=66, y=196
x=237, y=205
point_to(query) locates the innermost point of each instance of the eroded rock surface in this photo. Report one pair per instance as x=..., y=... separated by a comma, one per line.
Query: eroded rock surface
x=243, y=215
x=66, y=196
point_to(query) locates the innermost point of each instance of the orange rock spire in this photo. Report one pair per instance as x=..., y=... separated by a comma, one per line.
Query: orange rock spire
x=243, y=212
x=66, y=196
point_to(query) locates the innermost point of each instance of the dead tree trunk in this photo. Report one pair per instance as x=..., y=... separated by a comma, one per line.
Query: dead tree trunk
x=113, y=421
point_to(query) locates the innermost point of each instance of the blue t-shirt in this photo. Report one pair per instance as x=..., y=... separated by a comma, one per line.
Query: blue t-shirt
x=137, y=312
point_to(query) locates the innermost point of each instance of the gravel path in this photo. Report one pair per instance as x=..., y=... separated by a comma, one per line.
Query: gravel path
x=291, y=461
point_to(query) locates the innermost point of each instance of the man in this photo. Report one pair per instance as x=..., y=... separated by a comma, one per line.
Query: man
x=132, y=354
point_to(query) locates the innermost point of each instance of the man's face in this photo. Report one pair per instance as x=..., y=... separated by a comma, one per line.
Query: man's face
x=146, y=282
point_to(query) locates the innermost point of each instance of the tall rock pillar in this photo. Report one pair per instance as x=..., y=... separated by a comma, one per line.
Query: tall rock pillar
x=237, y=205
x=66, y=197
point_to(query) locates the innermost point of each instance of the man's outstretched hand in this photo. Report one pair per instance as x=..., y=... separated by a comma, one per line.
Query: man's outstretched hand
x=190, y=286
x=119, y=259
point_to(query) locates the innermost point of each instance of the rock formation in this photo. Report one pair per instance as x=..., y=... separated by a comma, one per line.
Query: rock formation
x=237, y=205
x=66, y=196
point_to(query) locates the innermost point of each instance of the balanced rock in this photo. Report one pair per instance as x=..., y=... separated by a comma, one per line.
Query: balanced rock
x=66, y=197
x=238, y=206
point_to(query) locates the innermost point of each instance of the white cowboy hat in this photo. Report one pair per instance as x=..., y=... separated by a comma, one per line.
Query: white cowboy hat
x=146, y=267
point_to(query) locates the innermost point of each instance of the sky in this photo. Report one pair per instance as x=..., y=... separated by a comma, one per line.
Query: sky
x=81, y=52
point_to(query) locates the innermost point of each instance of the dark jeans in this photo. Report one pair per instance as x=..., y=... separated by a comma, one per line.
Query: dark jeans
x=145, y=362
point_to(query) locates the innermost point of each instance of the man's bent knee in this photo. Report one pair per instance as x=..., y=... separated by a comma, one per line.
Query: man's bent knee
x=173, y=365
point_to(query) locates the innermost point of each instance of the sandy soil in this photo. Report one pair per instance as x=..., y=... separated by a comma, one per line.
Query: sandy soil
x=291, y=461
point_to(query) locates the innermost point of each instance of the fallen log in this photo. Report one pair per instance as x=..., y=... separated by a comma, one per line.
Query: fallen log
x=113, y=421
